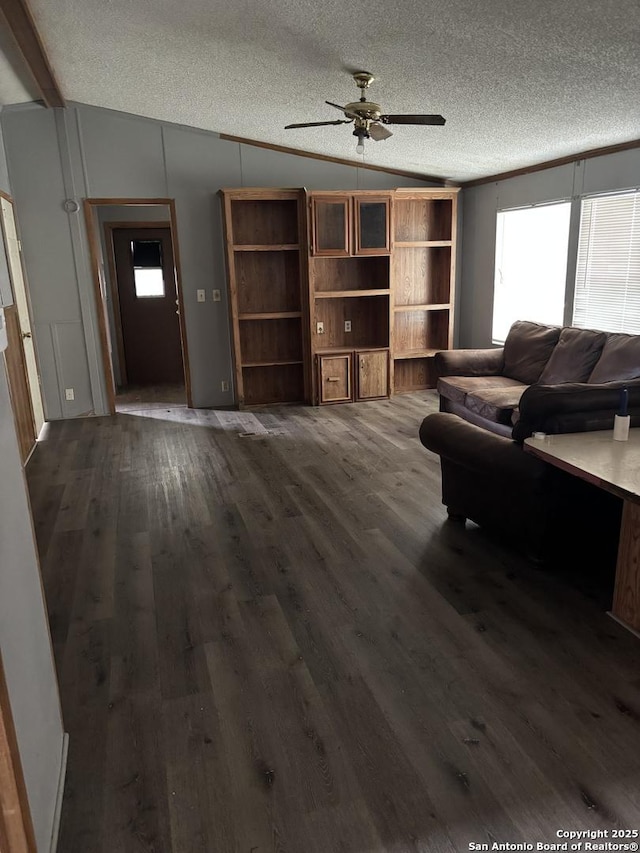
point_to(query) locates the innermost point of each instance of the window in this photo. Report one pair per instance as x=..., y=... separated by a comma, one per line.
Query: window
x=531, y=266
x=607, y=287
x=147, y=268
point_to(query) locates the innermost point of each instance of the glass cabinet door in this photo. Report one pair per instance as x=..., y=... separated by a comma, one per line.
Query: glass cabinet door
x=330, y=226
x=372, y=231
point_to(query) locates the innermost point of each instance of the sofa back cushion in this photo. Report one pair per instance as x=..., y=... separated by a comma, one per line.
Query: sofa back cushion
x=527, y=349
x=574, y=356
x=620, y=359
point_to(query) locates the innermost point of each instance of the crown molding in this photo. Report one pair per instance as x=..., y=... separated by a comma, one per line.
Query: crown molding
x=550, y=164
x=298, y=152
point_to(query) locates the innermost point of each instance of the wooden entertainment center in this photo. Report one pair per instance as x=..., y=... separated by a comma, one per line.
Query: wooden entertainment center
x=338, y=296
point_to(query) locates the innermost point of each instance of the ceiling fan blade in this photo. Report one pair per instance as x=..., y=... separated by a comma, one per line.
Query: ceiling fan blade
x=342, y=109
x=318, y=123
x=378, y=131
x=412, y=119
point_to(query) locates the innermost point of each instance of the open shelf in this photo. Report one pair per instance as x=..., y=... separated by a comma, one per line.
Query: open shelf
x=273, y=384
x=271, y=315
x=285, y=247
x=270, y=341
x=369, y=316
x=422, y=276
x=420, y=332
x=427, y=307
x=264, y=222
x=424, y=244
x=416, y=353
x=270, y=363
x=267, y=282
x=341, y=294
x=422, y=219
x=413, y=374
x=350, y=274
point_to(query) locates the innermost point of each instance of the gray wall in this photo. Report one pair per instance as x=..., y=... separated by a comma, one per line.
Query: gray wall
x=24, y=632
x=86, y=151
x=582, y=177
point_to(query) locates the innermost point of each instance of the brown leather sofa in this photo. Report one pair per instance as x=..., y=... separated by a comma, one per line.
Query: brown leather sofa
x=548, y=378
x=545, y=378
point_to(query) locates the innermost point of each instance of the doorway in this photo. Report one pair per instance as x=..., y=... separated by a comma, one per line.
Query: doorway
x=135, y=258
x=20, y=356
x=145, y=306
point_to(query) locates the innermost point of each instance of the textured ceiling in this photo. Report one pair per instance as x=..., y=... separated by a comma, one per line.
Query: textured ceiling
x=518, y=82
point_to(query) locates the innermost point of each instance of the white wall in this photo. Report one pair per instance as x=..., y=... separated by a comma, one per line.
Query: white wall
x=24, y=632
x=85, y=151
x=597, y=174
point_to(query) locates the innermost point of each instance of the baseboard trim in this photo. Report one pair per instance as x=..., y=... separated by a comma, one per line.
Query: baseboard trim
x=58, y=809
x=624, y=624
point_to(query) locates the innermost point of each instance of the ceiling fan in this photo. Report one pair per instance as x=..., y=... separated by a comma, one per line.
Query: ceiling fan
x=368, y=119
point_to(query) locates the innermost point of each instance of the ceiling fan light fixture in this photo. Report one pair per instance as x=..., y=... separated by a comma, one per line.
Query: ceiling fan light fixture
x=367, y=116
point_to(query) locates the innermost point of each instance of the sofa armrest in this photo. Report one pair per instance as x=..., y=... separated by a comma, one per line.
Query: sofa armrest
x=476, y=449
x=574, y=407
x=469, y=362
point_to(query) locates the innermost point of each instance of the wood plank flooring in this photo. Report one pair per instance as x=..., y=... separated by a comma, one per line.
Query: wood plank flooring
x=269, y=638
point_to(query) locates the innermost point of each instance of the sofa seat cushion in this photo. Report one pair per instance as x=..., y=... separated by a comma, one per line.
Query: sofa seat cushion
x=496, y=404
x=620, y=359
x=456, y=388
x=527, y=350
x=574, y=356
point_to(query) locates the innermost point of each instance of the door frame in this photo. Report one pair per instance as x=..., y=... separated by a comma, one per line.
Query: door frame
x=91, y=206
x=16, y=825
x=22, y=305
x=19, y=386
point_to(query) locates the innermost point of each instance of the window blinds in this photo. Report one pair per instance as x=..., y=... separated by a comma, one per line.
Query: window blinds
x=607, y=289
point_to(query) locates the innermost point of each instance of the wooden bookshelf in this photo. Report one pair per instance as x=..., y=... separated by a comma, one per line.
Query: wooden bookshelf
x=338, y=296
x=265, y=235
x=422, y=284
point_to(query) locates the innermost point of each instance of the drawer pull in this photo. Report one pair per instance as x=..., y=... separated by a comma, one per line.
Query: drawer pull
x=333, y=379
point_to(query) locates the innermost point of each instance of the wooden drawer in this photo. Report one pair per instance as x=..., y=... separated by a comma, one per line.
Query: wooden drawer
x=334, y=378
x=372, y=374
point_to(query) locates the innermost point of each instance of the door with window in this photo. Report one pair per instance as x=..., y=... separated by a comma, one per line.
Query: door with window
x=148, y=306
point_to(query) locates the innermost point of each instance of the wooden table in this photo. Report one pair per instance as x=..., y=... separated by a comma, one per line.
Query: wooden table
x=615, y=467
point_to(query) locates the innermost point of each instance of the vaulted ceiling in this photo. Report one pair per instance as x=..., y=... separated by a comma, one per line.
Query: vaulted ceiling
x=518, y=82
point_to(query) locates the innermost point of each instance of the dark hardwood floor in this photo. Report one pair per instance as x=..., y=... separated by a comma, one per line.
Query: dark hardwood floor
x=269, y=638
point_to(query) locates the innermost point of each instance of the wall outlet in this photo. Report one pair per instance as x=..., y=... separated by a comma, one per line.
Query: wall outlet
x=69, y=394
x=319, y=328
x=201, y=295
x=216, y=296
x=224, y=385
x=347, y=325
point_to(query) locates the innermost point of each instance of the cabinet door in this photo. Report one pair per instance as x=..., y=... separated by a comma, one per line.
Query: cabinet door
x=334, y=378
x=373, y=374
x=330, y=226
x=372, y=226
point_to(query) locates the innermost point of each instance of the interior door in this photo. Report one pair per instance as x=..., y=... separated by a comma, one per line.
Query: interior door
x=18, y=384
x=147, y=295
x=23, y=315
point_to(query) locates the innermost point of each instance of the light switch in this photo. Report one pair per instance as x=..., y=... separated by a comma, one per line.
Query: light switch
x=216, y=296
x=201, y=295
